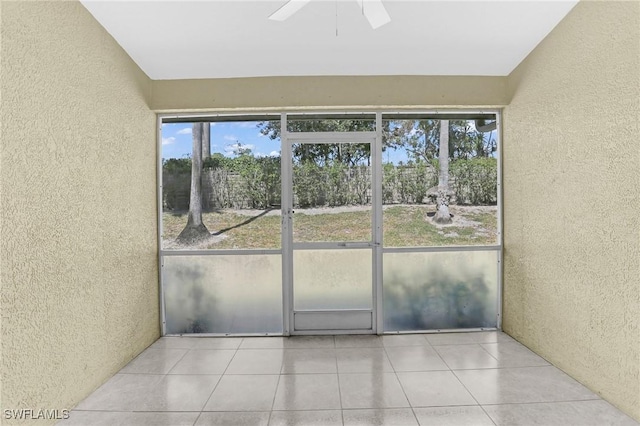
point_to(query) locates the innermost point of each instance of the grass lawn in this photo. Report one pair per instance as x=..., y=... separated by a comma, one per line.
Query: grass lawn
x=404, y=226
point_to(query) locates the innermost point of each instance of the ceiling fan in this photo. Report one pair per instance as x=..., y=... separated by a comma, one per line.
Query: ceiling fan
x=373, y=10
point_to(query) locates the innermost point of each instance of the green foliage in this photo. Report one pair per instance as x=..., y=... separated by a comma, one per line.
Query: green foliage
x=330, y=185
x=474, y=181
x=176, y=165
x=352, y=154
x=259, y=177
x=254, y=182
x=421, y=139
x=308, y=186
x=216, y=161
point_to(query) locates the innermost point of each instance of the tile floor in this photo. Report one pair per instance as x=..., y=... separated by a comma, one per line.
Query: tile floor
x=483, y=378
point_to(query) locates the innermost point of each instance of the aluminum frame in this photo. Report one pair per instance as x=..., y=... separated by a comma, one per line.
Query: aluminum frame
x=287, y=139
x=159, y=189
x=378, y=249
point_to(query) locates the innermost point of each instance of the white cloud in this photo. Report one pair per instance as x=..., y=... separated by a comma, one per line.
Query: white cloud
x=185, y=131
x=168, y=141
x=230, y=138
x=274, y=154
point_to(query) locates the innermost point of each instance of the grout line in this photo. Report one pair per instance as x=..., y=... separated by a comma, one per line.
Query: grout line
x=490, y=354
x=404, y=392
x=220, y=379
x=564, y=401
x=177, y=362
x=474, y=398
x=273, y=401
x=335, y=353
x=195, y=422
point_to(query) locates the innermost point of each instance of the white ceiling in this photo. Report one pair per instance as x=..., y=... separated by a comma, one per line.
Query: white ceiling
x=217, y=39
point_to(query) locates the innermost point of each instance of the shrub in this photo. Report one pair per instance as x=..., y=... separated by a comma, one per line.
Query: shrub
x=475, y=181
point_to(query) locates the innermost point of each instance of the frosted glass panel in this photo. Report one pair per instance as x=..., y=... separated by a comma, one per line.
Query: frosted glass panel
x=332, y=279
x=447, y=290
x=223, y=294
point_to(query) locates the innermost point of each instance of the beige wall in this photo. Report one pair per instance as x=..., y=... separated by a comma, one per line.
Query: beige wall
x=321, y=92
x=572, y=200
x=78, y=207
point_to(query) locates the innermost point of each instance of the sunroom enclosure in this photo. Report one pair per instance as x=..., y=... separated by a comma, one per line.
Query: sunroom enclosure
x=322, y=223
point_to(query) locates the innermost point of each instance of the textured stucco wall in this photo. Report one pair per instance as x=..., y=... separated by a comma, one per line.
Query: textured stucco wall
x=78, y=207
x=572, y=200
x=320, y=92
x=1, y=314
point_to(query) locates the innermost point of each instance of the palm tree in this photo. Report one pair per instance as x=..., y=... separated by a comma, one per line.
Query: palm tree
x=444, y=192
x=206, y=141
x=195, y=230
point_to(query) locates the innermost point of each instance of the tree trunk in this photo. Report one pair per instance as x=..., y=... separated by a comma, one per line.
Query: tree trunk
x=195, y=230
x=444, y=193
x=206, y=141
x=206, y=153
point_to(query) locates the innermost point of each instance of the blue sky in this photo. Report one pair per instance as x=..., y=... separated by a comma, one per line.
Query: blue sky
x=226, y=136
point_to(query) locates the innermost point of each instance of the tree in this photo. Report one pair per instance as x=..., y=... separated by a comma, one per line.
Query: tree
x=444, y=193
x=421, y=139
x=206, y=140
x=195, y=230
x=351, y=154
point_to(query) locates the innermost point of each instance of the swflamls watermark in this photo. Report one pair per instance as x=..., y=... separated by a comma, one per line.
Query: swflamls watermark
x=36, y=414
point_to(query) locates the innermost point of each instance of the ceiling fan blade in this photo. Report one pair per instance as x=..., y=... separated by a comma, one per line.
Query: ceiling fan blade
x=288, y=9
x=375, y=12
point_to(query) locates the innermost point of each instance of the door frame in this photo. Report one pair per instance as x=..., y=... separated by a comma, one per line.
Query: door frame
x=375, y=139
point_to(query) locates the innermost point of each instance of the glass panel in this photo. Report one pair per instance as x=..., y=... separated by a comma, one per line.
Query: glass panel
x=223, y=294
x=332, y=279
x=413, y=182
x=447, y=290
x=239, y=190
x=331, y=192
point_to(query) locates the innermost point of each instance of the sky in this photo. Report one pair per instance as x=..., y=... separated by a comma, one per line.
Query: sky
x=227, y=136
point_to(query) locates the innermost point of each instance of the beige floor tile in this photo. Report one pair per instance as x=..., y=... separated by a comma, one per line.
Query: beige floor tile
x=243, y=393
x=362, y=360
x=256, y=361
x=365, y=390
x=380, y=417
x=415, y=358
x=260, y=418
x=434, y=389
x=453, y=416
x=307, y=392
x=203, y=361
x=301, y=361
x=520, y=385
x=154, y=361
x=306, y=418
x=146, y=392
x=577, y=413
